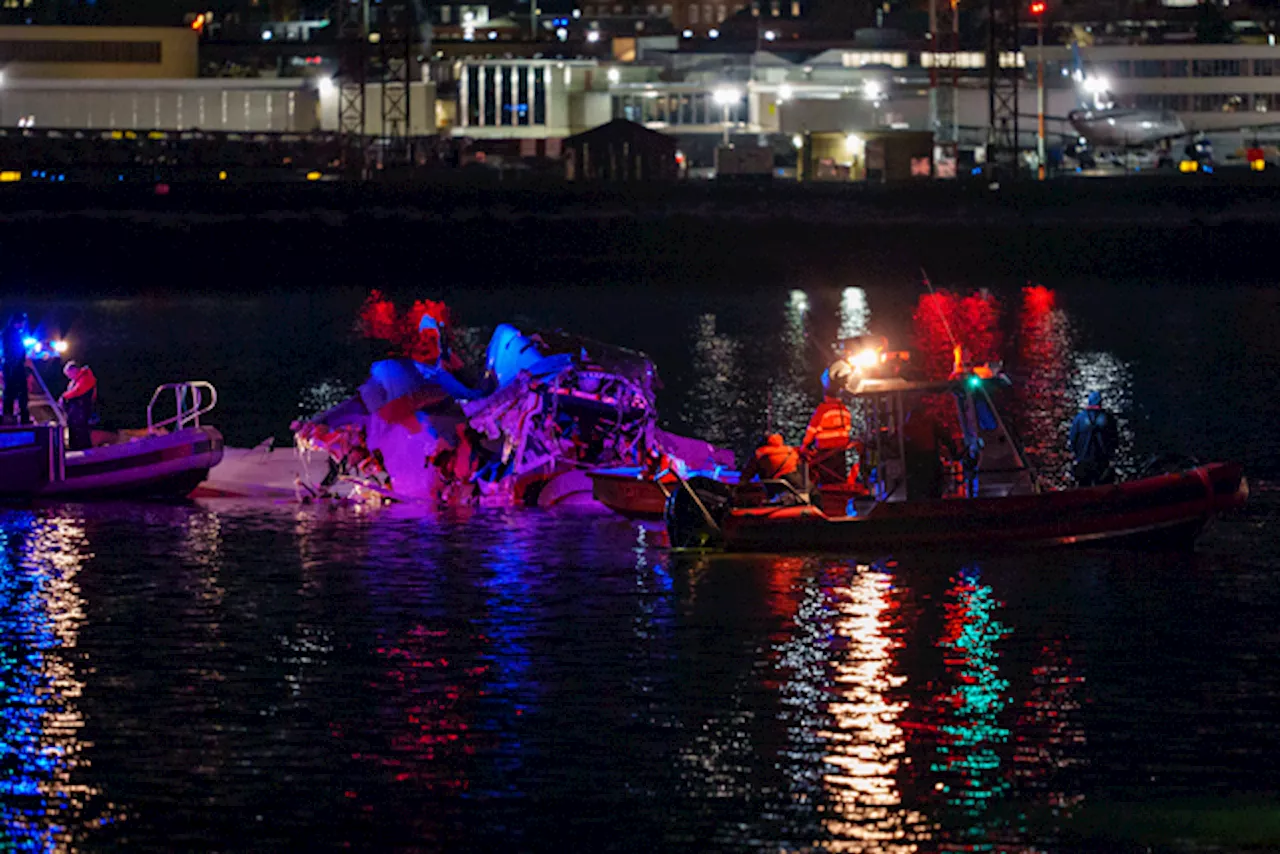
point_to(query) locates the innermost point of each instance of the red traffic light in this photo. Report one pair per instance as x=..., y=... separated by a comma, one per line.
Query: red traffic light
x=1038, y=7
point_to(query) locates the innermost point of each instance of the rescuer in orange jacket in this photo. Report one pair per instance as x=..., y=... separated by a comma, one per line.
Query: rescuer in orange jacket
x=78, y=401
x=775, y=460
x=827, y=439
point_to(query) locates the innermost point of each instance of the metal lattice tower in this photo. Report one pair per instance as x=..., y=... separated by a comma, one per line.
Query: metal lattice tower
x=1003, y=75
x=396, y=32
x=353, y=73
x=944, y=29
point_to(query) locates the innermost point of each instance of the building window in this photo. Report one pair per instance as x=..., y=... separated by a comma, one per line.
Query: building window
x=720, y=14
x=471, y=80
x=540, y=95
x=1215, y=68
x=1217, y=103
x=795, y=8
x=523, y=95
x=707, y=13
x=1264, y=68
x=68, y=51
x=1148, y=68
x=775, y=8
x=489, y=97
x=666, y=10
x=1266, y=102
x=693, y=14
x=1175, y=68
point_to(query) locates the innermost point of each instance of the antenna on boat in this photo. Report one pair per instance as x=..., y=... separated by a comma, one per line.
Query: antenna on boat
x=945, y=325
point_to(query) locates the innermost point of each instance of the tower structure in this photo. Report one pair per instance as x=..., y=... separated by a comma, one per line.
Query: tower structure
x=353, y=74
x=375, y=65
x=1003, y=74
x=944, y=38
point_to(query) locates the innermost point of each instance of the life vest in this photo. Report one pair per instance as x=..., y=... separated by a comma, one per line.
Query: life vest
x=84, y=383
x=829, y=426
x=775, y=461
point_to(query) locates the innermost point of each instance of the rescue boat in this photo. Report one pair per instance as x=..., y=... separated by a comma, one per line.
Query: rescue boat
x=168, y=458
x=994, y=499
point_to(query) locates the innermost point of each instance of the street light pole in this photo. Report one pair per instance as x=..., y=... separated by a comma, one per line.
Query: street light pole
x=1038, y=9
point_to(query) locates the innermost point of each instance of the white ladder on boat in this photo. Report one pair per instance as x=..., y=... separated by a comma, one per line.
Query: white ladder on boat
x=192, y=399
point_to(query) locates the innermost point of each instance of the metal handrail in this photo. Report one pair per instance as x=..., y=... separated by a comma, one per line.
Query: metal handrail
x=186, y=416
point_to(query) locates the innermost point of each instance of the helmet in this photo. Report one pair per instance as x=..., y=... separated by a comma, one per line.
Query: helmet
x=1095, y=398
x=837, y=376
x=70, y=369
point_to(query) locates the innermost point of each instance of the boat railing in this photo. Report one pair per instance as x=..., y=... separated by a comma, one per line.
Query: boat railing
x=192, y=399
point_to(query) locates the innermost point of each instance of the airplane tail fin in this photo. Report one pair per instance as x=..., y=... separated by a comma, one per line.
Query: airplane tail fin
x=1077, y=76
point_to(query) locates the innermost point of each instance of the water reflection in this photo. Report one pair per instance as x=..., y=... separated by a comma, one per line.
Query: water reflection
x=968, y=768
x=1044, y=365
x=855, y=313
x=714, y=409
x=789, y=406
x=45, y=801
x=867, y=743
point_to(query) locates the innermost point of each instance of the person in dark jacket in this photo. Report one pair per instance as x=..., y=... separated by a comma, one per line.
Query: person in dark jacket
x=1093, y=439
x=924, y=440
x=15, y=368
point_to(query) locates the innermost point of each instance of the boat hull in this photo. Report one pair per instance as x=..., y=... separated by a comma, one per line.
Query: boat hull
x=170, y=465
x=1166, y=511
x=623, y=491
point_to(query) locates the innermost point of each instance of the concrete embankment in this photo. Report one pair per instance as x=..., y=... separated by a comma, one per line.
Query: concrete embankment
x=249, y=236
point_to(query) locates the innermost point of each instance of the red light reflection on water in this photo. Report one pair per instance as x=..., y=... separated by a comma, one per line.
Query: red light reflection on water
x=943, y=319
x=1044, y=363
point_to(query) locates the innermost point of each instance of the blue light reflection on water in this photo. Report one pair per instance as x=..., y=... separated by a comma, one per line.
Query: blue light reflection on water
x=44, y=803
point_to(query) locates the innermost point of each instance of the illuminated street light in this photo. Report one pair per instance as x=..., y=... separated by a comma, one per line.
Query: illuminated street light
x=785, y=93
x=614, y=75
x=325, y=87
x=726, y=96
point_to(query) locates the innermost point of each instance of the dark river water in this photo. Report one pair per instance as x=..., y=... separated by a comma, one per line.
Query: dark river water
x=258, y=676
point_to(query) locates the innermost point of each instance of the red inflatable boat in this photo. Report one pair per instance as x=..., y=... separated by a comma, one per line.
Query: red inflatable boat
x=1167, y=510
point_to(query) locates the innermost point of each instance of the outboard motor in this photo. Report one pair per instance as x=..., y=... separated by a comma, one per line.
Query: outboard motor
x=688, y=526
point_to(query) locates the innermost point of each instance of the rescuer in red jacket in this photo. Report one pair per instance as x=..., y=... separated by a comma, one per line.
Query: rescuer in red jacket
x=827, y=439
x=775, y=460
x=78, y=401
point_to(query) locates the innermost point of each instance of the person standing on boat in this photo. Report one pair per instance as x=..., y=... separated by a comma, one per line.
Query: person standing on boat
x=1093, y=439
x=15, y=368
x=77, y=402
x=827, y=438
x=923, y=441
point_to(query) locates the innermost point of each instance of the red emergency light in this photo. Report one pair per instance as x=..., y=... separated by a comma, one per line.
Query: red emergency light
x=1038, y=7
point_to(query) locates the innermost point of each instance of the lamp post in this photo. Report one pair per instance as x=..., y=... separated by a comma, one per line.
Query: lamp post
x=725, y=96
x=1038, y=10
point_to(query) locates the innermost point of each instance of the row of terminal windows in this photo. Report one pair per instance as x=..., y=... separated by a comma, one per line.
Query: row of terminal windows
x=76, y=51
x=603, y=10
x=691, y=108
x=1261, y=102
x=504, y=95
x=697, y=13
x=1149, y=68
